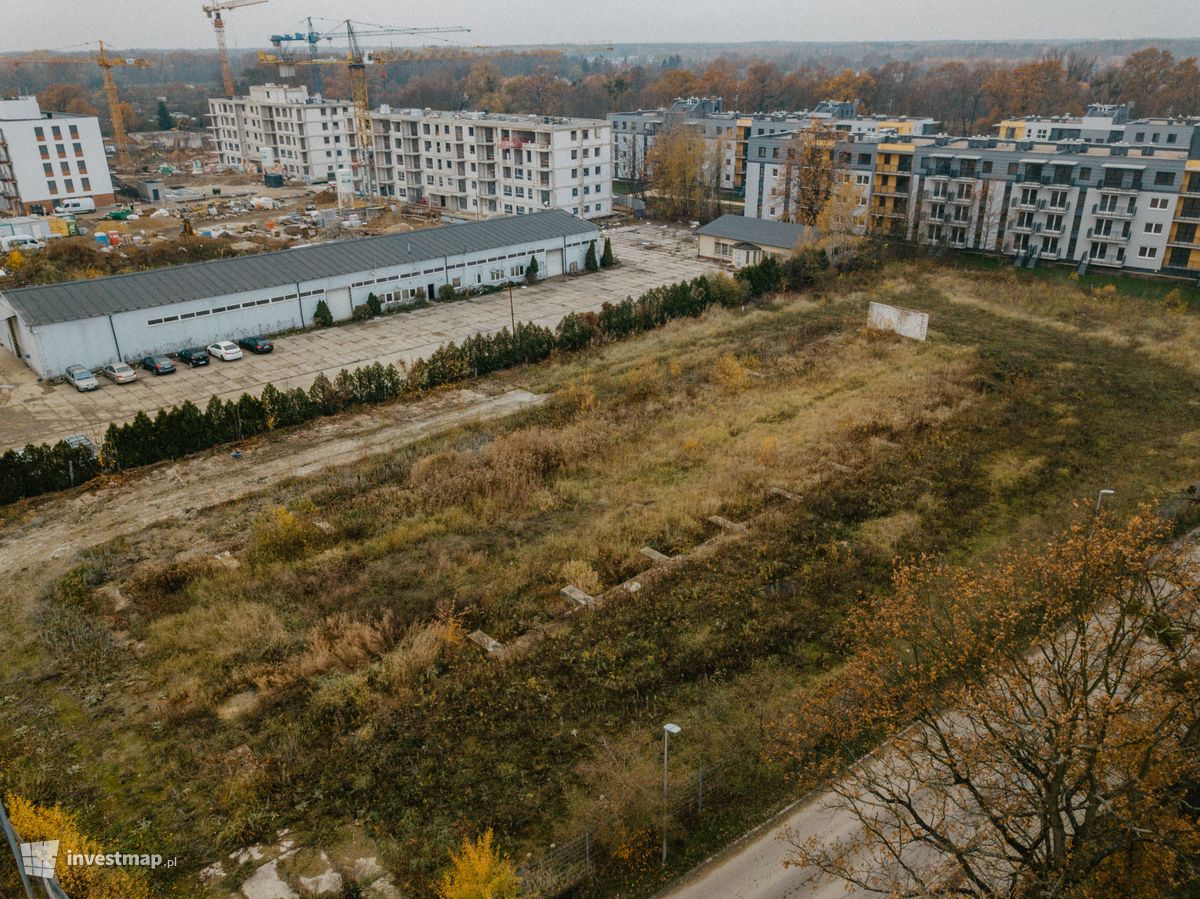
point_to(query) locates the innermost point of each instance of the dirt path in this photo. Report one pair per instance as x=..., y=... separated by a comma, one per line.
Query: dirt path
x=57, y=527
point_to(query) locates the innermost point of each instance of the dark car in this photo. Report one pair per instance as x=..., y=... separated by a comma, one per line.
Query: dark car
x=257, y=345
x=193, y=356
x=160, y=365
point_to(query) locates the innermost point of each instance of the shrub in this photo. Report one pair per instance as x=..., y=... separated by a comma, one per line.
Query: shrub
x=361, y=313
x=446, y=293
x=322, y=317
x=35, y=823
x=374, y=305
x=606, y=258
x=479, y=871
x=763, y=277
x=531, y=270
x=589, y=260
x=729, y=374
x=726, y=291
x=805, y=267
x=576, y=331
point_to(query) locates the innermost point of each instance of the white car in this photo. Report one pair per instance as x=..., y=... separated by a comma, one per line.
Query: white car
x=81, y=378
x=225, y=350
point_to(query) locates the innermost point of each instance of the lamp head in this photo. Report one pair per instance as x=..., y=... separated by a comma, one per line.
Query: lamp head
x=672, y=729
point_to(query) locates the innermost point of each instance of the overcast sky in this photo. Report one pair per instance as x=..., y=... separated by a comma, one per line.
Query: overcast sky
x=54, y=24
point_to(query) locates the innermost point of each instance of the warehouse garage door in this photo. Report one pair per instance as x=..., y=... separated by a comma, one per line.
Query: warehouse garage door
x=339, y=303
x=554, y=263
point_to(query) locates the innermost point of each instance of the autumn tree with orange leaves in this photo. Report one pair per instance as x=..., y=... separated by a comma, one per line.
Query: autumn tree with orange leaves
x=1045, y=719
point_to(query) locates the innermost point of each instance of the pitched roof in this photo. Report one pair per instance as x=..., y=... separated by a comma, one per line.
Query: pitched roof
x=760, y=232
x=75, y=300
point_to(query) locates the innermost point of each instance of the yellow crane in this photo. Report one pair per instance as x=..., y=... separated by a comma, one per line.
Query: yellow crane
x=356, y=60
x=107, y=64
x=213, y=11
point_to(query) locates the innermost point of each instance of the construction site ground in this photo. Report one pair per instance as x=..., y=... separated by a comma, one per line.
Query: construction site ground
x=32, y=411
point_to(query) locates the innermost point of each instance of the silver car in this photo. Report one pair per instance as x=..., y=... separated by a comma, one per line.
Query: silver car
x=119, y=373
x=81, y=378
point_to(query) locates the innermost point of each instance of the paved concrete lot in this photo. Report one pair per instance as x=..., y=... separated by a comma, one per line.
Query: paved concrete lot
x=33, y=412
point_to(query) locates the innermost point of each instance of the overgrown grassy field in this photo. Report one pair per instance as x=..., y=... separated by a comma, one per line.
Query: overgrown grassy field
x=327, y=679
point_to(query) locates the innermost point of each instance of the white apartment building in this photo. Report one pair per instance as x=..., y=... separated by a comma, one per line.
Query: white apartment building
x=281, y=128
x=48, y=157
x=476, y=164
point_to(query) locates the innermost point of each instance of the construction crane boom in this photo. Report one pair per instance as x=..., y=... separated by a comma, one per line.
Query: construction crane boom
x=107, y=64
x=312, y=38
x=213, y=11
x=355, y=60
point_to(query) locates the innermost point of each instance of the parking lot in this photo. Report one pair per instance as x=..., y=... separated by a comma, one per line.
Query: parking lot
x=34, y=412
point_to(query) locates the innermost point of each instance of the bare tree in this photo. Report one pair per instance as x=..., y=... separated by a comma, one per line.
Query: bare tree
x=1062, y=770
x=810, y=171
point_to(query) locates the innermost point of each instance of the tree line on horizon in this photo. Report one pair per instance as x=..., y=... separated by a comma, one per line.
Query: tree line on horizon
x=966, y=95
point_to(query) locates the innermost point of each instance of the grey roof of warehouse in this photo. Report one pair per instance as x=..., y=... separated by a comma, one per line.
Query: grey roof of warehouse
x=77, y=300
x=761, y=232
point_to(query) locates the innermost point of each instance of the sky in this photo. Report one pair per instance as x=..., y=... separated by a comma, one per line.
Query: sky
x=61, y=24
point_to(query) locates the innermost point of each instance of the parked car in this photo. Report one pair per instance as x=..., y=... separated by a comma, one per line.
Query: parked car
x=257, y=345
x=81, y=441
x=193, y=356
x=160, y=365
x=21, y=242
x=78, y=204
x=225, y=351
x=119, y=373
x=81, y=378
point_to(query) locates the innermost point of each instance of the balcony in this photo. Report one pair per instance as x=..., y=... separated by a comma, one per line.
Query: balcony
x=962, y=200
x=1107, y=236
x=1119, y=188
x=1030, y=228
x=1113, y=213
x=1029, y=205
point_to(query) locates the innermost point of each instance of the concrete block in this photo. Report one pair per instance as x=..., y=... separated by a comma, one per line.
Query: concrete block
x=784, y=494
x=488, y=644
x=577, y=596
x=905, y=322
x=226, y=558
x=725, y=524
x=654, y=555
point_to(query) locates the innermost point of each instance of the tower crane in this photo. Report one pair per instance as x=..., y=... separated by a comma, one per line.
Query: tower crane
x=213, y=11
x=107, y=64
x=356, y=60
x=312, y=38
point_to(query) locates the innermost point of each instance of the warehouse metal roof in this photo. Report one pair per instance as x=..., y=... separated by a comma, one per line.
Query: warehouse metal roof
x=76, y=300
x=762, y=232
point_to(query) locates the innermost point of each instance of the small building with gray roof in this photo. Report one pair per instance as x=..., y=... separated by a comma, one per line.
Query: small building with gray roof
x=743, y=241
x=125, y=317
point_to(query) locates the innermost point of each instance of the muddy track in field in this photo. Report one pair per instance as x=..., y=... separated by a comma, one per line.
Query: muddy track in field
x=57, y=527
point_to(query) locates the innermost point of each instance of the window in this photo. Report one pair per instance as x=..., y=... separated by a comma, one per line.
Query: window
x=69, y=186
x=78, y=148
x=48, y=169
x=53, y=188
x=45, y=151
x=64, y=168
x=1164, y=179
x=82, y=167
x=1171, y=137
x=1159, y=202
x=1085, y=174
x=74, y=132
x=1012, y=168
x=1153, y=228
x=39, y=133
x=987, y=167
x=1148, y=252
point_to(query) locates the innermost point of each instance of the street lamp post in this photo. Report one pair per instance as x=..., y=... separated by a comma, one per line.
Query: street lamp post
x=668, y=731
x=1096, y=513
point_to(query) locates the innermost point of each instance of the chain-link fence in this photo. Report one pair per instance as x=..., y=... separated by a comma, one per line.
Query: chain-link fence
x=568, y=864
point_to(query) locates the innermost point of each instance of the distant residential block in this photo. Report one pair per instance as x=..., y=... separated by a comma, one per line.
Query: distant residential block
x=48, y=157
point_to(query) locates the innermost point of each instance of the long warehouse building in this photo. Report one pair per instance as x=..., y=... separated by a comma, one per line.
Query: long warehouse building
x=103, y=320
